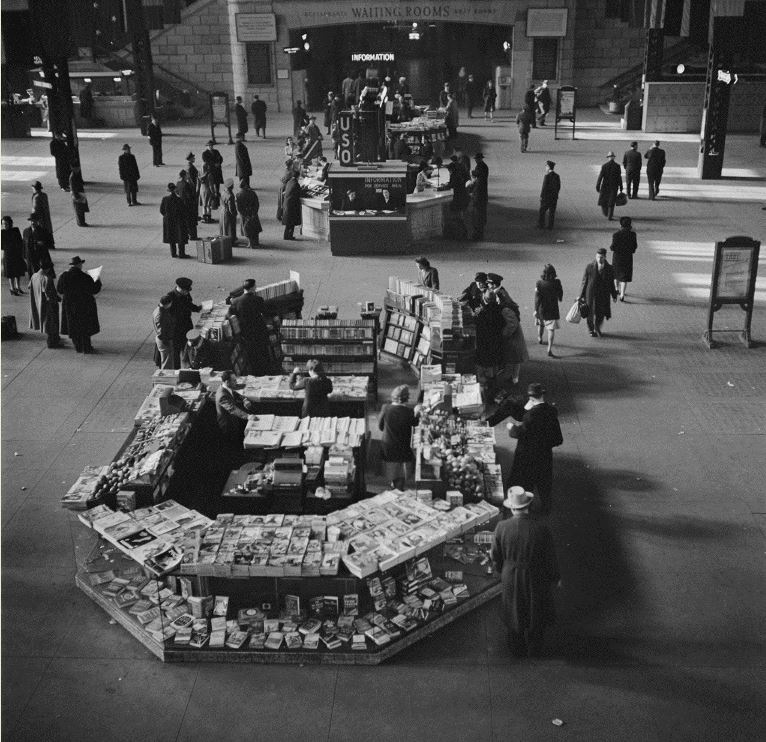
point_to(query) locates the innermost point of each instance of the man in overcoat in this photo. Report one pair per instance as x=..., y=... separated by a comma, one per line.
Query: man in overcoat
x=38, y=242
x=608, y=183
x=248, y=308
x=291, y=206
x=632, y=163
x=79, y=317
x=129, y=175
x=243, y=168
x=186, y=191
x=181, y=309
x=241, y=113
x=174, y=222
x=154, y=132
x=247, y=206
x=259, y=115
x=537, y=433
x=524, y=120
x=214, y=160
x=524, y=555
x=655, y=166
x=596, y=290
x=549, y=195
x=44, y=315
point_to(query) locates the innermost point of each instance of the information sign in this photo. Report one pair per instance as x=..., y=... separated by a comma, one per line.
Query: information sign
x=219, y=113
x=566, y=108
x=256, y=27
x=735, y=268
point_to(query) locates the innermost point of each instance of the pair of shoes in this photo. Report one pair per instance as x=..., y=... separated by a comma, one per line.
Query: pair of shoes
x=136, y=203
x=593, y=334
x=15, y=292
x=622, y=298
x=550, y=354
x=540, y=341
x=598, y=333
x=183, y=256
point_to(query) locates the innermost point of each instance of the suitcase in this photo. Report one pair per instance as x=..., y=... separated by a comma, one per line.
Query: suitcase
x=210, y=250
x=226, y=244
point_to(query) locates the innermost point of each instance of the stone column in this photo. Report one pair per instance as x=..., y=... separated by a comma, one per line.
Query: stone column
x=238, y=58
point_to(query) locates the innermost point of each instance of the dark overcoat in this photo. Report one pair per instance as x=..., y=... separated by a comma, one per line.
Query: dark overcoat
x=549, y=194
x=174, y=220
x=181, y=309
x=548, y=294
x=14, y=265
x=624, y=244
x=255, y=335
x=41, y=207
x=597, y=289
x=214, y=160
x=243, y=167
x=79, y=315
x=608, y=183
x=128, y=167
x=37, y=245
x=291, y=204
x=537, y=435
x=241, y=114
x=247, y=206
x=523, y=553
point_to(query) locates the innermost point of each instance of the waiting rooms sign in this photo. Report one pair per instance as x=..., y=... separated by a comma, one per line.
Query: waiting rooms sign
x=303, y=14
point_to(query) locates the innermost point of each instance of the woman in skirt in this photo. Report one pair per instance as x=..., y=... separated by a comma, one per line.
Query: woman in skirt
x=548, y=294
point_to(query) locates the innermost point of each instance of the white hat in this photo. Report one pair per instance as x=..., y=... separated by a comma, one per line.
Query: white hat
x=518, y=498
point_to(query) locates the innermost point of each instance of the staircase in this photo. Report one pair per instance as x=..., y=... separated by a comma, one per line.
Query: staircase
x=630, y=80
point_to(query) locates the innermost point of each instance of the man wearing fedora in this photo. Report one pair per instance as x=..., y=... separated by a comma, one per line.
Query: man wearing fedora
x=79, y=315
x=549, y=195
x=537, y=431
x=181, y=308
x=480, y=174
x=175, y=230
x=38, y=242
x=597, y=287
x=214, y=160
x=608, y=183
x=41, y=207
x=524, y=555
x=129, y=175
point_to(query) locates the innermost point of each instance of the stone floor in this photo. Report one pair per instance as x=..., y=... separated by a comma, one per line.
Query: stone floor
x=660, y=511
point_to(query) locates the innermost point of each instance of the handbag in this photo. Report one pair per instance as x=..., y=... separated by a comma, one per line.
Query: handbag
x=573, y=315
x=584, y=308
x=621, y=199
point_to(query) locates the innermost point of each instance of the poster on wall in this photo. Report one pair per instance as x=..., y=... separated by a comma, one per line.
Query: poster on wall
x=367, y=196
x=256, y=27
x=550, y=22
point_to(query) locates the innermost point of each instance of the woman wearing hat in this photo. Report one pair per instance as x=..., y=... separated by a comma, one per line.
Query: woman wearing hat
x=396, y=420
x=514, y=345
x=79, y=316
x=214, y=160
x=548, y=293
x=14, y=265
x=41, y=207
x=624, y=244
x=524, y=555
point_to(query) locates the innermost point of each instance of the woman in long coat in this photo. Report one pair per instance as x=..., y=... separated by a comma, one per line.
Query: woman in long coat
x=291, y=206
x=79, y=199
x=14, y=265
x=229, y=212
x=624, y=244
x=44, y=304
x=489, y=345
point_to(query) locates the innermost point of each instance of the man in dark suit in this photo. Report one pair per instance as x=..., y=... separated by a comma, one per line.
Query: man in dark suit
x=63, y=159
x=632, y=163
x=597, y=287
x=655, y=166
x=231, y=411
x=549, y=195
x=129, y=175
x=243, y=169
x=608, y=183
x=248, y=308
x=214, y=160
x=536, y=428
x=259, y=115
x=154, y=132
x=187, y=193
x=428, y=275
x=175, y=227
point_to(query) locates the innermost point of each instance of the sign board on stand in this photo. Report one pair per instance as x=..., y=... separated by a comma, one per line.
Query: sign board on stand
x=566, y=108
x=735, y=268
x=219, y=113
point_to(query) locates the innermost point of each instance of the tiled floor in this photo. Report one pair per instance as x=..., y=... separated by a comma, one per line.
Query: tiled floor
x=659, y=499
